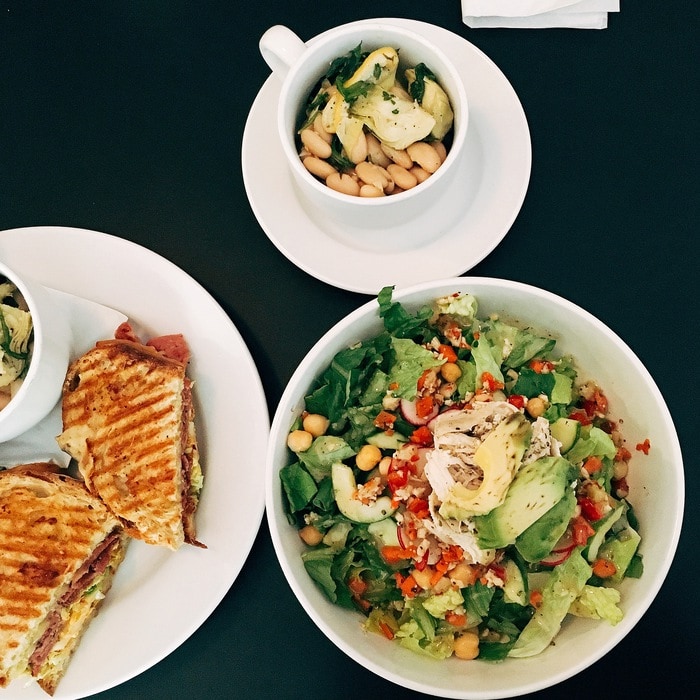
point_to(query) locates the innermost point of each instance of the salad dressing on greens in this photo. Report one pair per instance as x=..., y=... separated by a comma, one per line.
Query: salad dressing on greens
x=457, y=483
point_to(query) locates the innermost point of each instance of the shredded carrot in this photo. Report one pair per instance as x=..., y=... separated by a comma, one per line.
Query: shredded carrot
x=386, y=630
x=535, y=598
x=393, y=554
x=408, y=586
x=604, y=568
x=456, y=619
x=592, y=464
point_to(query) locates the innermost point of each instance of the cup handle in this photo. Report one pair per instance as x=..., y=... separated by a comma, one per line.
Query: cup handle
x=281, y=48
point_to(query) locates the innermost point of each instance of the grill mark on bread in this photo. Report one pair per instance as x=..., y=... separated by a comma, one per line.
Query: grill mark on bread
x=127, y=435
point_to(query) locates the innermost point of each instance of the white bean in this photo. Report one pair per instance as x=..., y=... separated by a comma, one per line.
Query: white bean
x=372, y=174
x=318, y=167
x=399, y=157
x=402, y=177
x=315, y=144
x=424, y=155
x=420, y=174
x=375, y=153
x=321, y=130
x=344, y=183
x=371, y=191
x=359, y=150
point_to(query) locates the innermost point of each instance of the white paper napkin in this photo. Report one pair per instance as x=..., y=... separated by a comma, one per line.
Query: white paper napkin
x=90, y=322
x=538, y=14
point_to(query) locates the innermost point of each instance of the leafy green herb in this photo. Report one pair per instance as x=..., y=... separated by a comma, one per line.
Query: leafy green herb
x=358, y=89
x=337, y=157
x=344, y=66
x=417, y=87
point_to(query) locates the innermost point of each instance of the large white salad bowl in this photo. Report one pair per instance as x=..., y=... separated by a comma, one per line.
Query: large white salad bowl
x=634, y=398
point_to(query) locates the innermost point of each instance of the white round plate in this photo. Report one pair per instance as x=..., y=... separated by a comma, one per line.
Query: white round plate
x=159, y=598
x=499, y=157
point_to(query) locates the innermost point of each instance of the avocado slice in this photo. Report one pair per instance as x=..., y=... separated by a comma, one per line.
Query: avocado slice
x=499, y=457
x=537, y=487
x=537, y=541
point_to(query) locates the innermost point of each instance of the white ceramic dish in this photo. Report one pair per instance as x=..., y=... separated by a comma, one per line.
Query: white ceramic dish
x=41, y=387
x=633, y=397
x=152, y=607
x=486, y=196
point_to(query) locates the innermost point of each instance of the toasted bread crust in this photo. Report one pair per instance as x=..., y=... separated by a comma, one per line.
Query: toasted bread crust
x=49, y=526
x=123, y=417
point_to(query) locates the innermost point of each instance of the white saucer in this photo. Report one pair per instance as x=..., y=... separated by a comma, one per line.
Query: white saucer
x=492, y=190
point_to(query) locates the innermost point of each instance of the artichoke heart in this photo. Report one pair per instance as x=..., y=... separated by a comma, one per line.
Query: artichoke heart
x=395, y=121
x=436, y=102
x=379, y=68
x=349, y=131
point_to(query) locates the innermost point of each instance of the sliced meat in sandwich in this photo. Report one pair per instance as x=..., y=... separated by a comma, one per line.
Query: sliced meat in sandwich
x=128, y=421
x=59, y=550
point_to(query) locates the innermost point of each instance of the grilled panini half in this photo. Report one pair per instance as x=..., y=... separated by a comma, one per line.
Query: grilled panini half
x=59, y=549
x=128, y=421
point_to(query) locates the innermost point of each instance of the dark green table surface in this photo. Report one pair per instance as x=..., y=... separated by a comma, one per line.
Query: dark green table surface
x=127, y=117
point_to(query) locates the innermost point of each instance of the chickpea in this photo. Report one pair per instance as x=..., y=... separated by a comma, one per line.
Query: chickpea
x=316, y=424
x=450, y=371
x=299, y=440
x=466, y=645
x=536, y=406
x=463, y=574
x=620, y=469
x=311, y=535
x=368, y=457
x=422, y=578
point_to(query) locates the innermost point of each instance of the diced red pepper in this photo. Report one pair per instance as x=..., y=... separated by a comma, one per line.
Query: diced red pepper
x=581, y=416
x=422, y=436
x=385, y=420
x=604, y=568
x=490, y=382
x=397, y=479
x=540, y=366
x=517, y=400
x=644, y=447
x=425, y=406
x=590, y=510
x=581, y=530
x=419, y=507
x=447, y=351
x=455, y=619
x=623, y=454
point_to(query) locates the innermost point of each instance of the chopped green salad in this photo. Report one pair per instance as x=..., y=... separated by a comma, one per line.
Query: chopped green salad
x=457, y=483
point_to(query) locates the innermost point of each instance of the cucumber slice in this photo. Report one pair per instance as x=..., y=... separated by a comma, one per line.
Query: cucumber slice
x=565, y=431
x=516, y=588
x=384, y=441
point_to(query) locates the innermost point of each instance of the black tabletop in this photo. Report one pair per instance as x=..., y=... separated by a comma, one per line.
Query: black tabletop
x=128, y=118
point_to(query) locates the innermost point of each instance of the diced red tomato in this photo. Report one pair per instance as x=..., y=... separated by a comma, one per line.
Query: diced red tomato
x=385, y=420
x=425, y=406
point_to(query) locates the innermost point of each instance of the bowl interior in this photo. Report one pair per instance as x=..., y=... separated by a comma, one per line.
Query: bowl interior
x=634, y=399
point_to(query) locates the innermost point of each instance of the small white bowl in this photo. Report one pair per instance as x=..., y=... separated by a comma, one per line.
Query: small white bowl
x=41, y=388
x=658, y=503
x=401, y=220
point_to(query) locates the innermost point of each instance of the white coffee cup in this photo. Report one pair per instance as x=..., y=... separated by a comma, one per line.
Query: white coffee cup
x=405, y=219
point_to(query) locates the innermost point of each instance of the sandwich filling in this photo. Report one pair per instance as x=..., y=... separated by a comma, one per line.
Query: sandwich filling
x=65, y=623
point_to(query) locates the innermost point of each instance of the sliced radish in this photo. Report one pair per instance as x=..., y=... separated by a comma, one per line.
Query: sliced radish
x=556, y=558
x=410, y=414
